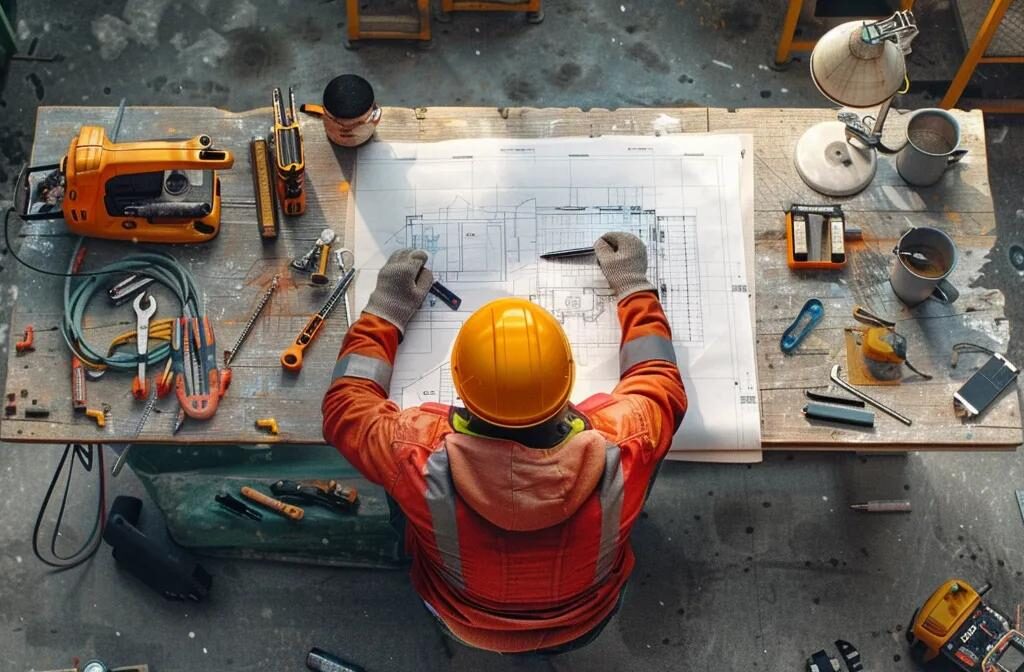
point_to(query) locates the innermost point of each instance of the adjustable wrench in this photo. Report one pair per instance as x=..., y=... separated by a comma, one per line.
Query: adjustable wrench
x=140, y=386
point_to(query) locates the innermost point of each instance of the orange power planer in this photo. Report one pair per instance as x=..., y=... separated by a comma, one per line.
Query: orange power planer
x=158, y=191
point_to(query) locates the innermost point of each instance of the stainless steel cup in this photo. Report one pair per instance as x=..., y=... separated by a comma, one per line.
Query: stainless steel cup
x=933, y=138
x=913, y=281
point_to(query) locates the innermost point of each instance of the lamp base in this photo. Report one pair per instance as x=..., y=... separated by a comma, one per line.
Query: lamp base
x=829, y=164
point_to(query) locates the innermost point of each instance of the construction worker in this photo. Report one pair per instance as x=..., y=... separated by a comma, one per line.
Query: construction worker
x=518, y=506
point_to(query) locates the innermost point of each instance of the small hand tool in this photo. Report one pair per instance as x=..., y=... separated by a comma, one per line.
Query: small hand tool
x=165, y=382
x=327, y=493
x=264, y=300
x=237, y=507
x=140, y=386
x=198, y=382
x=339, y=255
x=851, y=656
x=287, y=510
x=830, y=399
x=27, y=342
x=79, y=401
x=308, y=261
x=124, y=290
x=269, y=424
x=883, y=351
x=290, y=164
x=447, y=296
x=805, y=321
x=266, y=210
x=884, y=506
x=291, y=358
x=323, y=256
x=98, y=415
x=840, y=414
x=37, y=411
x=122, y=457
x=834, y=376
x=319, y=660
x=569, y=253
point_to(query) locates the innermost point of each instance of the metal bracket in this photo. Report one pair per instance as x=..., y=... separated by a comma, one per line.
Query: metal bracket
x=900, y=28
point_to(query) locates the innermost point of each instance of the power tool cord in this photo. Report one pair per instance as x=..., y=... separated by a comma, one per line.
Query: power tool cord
x=88, y=455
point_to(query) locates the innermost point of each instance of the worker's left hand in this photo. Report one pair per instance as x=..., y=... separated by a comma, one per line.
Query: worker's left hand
x=402, y=285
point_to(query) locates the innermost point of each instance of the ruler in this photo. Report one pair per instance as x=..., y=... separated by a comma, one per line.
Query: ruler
x=266, y=210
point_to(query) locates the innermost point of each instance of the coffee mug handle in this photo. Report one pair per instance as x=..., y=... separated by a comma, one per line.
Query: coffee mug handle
x=955, y=156
x=945, y=292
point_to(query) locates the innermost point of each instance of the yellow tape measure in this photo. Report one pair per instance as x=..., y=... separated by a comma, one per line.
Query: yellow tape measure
x=266, y=210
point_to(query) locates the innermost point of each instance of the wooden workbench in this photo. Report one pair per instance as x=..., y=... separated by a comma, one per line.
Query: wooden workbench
x=234, y=270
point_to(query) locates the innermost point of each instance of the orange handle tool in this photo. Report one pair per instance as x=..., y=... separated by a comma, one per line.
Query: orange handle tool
x=198, y=381
x=286, y=510
x=291, y=358
x=319, y=276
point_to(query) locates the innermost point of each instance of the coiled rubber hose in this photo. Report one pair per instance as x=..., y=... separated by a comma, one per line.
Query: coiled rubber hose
x=162, y=268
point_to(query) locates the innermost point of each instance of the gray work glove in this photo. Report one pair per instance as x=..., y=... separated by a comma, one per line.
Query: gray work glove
x=623, y=259
x=402, y=285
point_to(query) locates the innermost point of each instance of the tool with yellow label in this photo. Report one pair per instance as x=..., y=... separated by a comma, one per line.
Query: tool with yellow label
x=876, y=354
x=289, y=161
x=955, y=626
x=152, y=191
x=266, y=210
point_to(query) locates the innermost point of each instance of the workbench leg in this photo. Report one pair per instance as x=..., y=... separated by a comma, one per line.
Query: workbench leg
x=788, y=31
x=985, y=34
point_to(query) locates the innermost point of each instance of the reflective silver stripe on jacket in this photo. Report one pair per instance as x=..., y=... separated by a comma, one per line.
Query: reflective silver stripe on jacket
x=611, y=493
x=644, y=349
x=441, y=502
x=361, y=366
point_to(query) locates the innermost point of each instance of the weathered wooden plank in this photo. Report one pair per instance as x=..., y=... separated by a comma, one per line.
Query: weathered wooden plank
x=233, y=270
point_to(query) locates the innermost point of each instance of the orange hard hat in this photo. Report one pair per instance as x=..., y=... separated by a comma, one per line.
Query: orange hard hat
x=512, y=364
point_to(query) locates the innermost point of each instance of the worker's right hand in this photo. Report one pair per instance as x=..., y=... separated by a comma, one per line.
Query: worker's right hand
x=402, y=285
x=623, y=259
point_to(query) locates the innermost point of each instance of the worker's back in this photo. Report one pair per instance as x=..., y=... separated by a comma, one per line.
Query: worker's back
x=519, y=548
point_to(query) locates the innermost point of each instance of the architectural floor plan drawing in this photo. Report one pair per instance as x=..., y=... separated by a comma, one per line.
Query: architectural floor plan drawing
x=486, y=209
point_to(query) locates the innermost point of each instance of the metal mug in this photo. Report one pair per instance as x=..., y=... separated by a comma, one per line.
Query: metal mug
x=914, y=282
x=933, y=138
x=350, y=112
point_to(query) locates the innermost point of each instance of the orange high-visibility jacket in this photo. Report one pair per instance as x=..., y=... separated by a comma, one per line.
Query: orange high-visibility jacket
x=515, y=548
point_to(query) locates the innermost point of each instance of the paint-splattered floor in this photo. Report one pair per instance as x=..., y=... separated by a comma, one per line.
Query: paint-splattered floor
x=738, y=568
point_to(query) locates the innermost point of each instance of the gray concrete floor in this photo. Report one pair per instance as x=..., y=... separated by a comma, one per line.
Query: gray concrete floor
x=738, y=567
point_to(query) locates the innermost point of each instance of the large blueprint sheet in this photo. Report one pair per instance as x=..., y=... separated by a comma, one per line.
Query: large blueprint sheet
x=485, y=209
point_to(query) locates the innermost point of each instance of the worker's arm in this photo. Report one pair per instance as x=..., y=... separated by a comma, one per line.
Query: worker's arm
x=647, y=360
x=358, y=419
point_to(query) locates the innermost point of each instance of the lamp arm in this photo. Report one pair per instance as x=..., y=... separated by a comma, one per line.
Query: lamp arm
x=857, y=130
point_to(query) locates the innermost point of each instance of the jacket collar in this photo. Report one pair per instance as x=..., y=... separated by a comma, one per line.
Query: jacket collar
x=547, y=434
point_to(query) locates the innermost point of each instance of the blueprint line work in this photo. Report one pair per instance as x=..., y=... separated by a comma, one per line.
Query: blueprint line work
x=486, y=209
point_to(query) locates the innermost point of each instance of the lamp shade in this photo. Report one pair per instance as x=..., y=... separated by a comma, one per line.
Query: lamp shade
x=855, y=73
